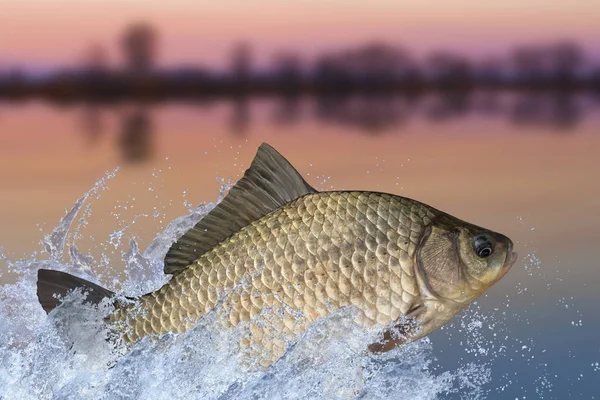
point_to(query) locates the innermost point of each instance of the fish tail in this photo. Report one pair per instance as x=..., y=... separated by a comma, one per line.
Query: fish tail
x=52, y=286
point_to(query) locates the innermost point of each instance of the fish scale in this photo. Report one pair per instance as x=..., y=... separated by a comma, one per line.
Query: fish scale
x=314, y=255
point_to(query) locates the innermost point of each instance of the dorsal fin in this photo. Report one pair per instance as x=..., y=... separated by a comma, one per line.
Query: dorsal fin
x=268, y=184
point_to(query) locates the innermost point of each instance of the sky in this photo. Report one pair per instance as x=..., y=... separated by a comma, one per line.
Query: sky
x=47, y=33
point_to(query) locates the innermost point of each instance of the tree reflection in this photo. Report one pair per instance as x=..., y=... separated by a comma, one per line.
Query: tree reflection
x=559, y=111
x=240, y=115
x=370, y=114
x=448, y=105
x=135, y=139
x=93, y=124
x=287, y=111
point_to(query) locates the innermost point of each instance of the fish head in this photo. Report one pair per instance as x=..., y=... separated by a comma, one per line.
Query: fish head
x=458, y=261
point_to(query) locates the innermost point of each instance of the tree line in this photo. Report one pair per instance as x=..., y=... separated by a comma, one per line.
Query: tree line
x=368, y=68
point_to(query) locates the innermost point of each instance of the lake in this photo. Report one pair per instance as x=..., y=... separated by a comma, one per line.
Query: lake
x=524, y=165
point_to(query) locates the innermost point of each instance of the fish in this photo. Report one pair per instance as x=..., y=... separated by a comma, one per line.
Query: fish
x=275, y=255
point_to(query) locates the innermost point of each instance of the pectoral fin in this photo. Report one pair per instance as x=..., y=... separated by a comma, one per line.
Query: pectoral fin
x=394, y=337
x=406, y=328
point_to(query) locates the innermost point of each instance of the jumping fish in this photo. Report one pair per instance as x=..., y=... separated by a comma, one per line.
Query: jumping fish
x=274, y=242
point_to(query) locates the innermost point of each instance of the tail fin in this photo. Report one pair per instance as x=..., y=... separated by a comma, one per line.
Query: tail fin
x=54, y=285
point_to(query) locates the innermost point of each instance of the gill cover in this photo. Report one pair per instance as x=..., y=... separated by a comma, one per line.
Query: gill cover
x=438, y=260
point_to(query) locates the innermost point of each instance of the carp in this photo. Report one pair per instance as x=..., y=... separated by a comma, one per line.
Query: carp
x=274, y=242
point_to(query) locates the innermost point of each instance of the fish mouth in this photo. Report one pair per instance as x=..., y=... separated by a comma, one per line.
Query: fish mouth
x=511, y=258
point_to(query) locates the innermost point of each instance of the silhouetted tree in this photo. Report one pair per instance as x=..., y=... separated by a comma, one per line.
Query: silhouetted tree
x=373, y=66
x=95, y=59
x=16, y=83
x=330, y=74
x=288, y=71
x=528, y=62
x=566, y=59
x=449, y=69
x=595, y=79
x=139, y=48
x=490, y=71
x=377, y=61
x=241, y=62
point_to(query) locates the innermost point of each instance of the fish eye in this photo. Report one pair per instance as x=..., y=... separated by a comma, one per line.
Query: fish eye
x=483, y=246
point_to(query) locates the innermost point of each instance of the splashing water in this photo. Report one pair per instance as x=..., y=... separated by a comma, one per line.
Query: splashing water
x=44, y=357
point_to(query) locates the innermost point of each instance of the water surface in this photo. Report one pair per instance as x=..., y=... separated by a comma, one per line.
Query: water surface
x=523, y=166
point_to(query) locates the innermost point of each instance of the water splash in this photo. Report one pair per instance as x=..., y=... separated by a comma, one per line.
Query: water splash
x=54, y=243
x=59, y=357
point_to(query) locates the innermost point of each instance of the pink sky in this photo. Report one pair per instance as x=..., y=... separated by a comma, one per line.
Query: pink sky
x=42, y=33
